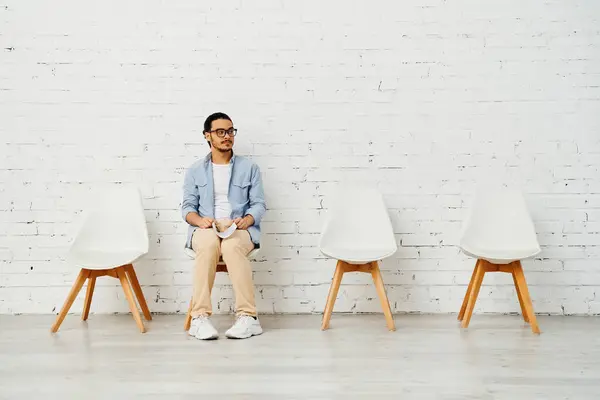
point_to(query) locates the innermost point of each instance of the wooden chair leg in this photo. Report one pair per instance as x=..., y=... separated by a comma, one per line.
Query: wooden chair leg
x=129, y=295
x=461, y=314
x=83, y=275
x=188, y=317
x=522, y=287
x=138, y=291
x=333, y=292
x=385, y=304
x=473, y=295
x=88, y=295
x=518, y=290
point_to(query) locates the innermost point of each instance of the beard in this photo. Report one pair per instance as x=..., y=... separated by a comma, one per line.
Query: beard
x=224, y=147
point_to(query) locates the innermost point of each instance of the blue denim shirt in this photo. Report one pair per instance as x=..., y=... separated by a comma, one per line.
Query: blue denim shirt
x=246, y=193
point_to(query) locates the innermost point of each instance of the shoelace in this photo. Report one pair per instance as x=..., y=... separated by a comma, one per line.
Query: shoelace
x=200, y=319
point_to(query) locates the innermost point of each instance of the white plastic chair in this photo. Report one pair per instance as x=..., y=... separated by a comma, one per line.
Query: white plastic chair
x=358, y=233
x=499, y=233
x=221, y=267
x=113, y=237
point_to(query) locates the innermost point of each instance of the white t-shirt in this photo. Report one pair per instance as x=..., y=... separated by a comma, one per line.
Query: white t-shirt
x=221, y=178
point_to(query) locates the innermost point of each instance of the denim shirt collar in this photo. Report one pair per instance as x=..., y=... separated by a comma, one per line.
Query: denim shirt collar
x=208, y=160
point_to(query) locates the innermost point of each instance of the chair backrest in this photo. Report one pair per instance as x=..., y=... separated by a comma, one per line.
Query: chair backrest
x=114, y=221
x=359, y=218
x=499, y=217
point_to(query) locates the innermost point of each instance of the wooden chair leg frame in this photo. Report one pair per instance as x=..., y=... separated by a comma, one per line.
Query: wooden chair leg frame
x=370, y=268
x=188, y=318
x=125, y=274
x=516, y=270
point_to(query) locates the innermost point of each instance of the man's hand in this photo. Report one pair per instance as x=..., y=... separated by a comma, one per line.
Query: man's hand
x=205, y=222
x=244, y=223
x=195, y=219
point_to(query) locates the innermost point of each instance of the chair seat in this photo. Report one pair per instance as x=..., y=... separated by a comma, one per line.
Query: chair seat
x=497, y=255
x=102, y=259
x=357, y=255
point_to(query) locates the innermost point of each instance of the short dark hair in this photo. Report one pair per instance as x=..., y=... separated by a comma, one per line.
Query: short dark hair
x=214, y=117
x=211, y=118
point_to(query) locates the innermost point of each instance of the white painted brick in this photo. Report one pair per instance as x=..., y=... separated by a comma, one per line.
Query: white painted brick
x=271, y=293
x=327, y=99
x=580, y=265
x=594, y=307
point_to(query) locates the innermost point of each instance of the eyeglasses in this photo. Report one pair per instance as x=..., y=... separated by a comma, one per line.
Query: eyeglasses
x=222, y=132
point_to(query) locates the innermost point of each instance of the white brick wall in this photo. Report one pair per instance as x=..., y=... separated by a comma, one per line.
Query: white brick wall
x=425, y=97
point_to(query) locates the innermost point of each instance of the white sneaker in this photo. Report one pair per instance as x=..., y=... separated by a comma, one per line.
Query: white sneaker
x=245, y=326
x=201, y=328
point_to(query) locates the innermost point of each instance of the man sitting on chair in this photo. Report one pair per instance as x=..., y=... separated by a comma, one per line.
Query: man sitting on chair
x=223, y=188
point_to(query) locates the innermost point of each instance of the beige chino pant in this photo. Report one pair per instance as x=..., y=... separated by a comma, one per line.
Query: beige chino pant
x=234, y=250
